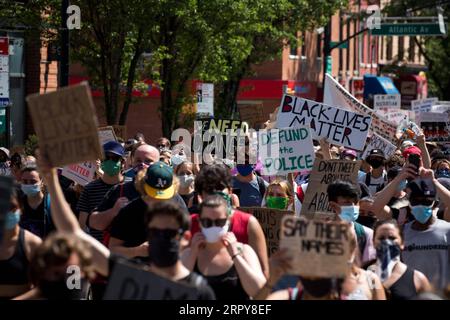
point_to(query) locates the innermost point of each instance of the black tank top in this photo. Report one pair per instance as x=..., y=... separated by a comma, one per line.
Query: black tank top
x=226, y=286
x=403, y=288
x=14, y=271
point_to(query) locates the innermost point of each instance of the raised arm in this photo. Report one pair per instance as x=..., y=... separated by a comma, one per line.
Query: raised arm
x=442, y=192
x=421, y=144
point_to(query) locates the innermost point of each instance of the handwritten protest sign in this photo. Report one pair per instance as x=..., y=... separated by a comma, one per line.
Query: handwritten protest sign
x=441, y=108
x=128, y=282
x=6, y=189
x=222, y=125
x=252, y=114
x=377, y=142
x=391, y=101
x=286, y=150
x=66, y=125
x=270, y=221
x=81, y=173
x=318, y=248
x=106, y=134
x=423, y=105
x=335, y=94
x=339, y=126
x=315, y=204
x=396, y=115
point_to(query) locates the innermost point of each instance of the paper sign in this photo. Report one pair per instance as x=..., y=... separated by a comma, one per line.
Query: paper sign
x=270, y=221
x=337, y=95
x=286, y=150
x=339, y=126
x=440, y=108
x=252, y=114
x=81, y=173
x=315, y=204
x=66, y=125
x=106, y=134
x=127, y=282
x=423, y=105
x=318, y=249
x=4, y=88
x=391, y=101
x=396, y=115
x=377, y=142
x=205, y=98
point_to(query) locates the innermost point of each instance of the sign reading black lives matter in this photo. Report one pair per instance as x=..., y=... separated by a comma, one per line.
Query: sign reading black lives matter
x=315, y=205
x=128, y=282
x=66, y=125
x=270, y=220
x=339, y=126
x=318, y=248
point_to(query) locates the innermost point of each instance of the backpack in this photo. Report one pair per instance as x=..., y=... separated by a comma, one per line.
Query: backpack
x=360, y=237
x=261, y=186
x=368, y=178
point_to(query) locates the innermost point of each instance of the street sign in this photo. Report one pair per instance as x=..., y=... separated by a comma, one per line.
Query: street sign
x=409, y=29
x=329, y=64
x=341, y=46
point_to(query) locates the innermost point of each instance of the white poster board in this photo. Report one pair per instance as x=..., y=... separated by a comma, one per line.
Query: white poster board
x=391, y=101
x=205, y=98
x=377, y=142
x=81, y=173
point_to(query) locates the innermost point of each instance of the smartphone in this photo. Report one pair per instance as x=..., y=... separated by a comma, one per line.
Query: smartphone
x=415, y=160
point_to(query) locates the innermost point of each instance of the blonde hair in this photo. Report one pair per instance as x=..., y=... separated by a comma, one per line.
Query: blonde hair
x=285, y=185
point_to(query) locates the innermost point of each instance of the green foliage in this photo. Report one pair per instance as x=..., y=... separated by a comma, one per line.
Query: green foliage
x=31, y=144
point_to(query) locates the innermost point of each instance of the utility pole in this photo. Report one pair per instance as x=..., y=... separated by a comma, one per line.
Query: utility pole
x=326, y=50
x=64, y=38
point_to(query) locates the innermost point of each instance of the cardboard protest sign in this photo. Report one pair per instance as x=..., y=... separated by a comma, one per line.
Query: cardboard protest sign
x=286, y=150
x=423, y=105
x=128, y=282
x=335, y=94
x=270, y=220
x=318, y=248
x=339, y=126
x=106, y=134
x=315, y=203
x=252, y=114
x=391, y=101
x=81, y=173
x=66, y=125
x=377, y=142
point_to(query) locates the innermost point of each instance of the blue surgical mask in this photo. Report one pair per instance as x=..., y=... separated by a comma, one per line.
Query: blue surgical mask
x=402, y=185
x=244, y=169
x=12, y=218
x=30, y=189
x=422, y=213
x=349, y=213
x=443, y=173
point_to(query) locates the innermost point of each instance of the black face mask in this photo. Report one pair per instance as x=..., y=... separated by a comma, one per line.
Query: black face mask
x=58, y=290
x=320, y=287
x=163, y=248
x=375, y=163
x=367, y=221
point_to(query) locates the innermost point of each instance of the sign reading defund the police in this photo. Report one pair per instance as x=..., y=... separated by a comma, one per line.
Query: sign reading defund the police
x=318, y=248
x=377, y=142
x=286, y=150
x=315, y=205
x=339, y=126
x=127, y=282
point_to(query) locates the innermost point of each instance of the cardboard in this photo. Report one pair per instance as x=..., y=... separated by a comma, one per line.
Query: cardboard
x=106, y=134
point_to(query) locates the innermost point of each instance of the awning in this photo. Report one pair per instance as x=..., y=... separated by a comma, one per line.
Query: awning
x=378, y=85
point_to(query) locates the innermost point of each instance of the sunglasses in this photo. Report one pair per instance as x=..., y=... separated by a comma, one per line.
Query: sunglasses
x=167, y=233
x=208, y=223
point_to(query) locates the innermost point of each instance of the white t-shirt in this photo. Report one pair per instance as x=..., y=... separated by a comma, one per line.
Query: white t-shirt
x=374, y=183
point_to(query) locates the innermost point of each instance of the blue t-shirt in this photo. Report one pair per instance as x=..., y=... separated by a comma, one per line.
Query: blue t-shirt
x=250, y=195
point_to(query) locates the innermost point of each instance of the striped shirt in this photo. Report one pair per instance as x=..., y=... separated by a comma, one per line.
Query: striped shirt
x=90, y=198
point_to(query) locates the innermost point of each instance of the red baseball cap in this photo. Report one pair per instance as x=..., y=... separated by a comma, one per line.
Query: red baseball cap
x=411, y=150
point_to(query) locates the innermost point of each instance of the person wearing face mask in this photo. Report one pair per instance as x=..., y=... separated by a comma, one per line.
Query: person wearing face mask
x=17, y=247
x=366, y=216
x=252, y=186
x=343, y=197
x=376, y=178
x=4, y=162
x=185, y=174
x=279, y=195
x=231, y=268
x=399, y=280
x=35, y=203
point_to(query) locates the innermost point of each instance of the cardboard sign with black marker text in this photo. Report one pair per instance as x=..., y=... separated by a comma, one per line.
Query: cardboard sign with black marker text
x=106, y=134
x=318, y=248
x=270, y=220
x=128, y=282
x=377, y=142
x=315, y=205
x=339, y=126
x=66, y=125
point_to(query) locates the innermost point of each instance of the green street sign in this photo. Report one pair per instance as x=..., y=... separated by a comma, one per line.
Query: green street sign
x=409, y=29
x=329, y=65
x=341, y=46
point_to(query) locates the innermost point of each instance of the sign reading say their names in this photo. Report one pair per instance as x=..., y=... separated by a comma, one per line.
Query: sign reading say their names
x=339, y=126
x=81, y=173
x=318, y=249
x=391, y=101
x=377, y=142
x=286, y=150
x=66, y=125
x=128, y=282
x=315, y=203
x=270, y=220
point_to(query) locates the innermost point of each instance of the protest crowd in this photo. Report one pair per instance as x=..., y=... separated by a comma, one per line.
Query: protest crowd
x=335, y=215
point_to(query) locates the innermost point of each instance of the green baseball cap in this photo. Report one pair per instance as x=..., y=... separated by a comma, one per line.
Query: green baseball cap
x=159, y=181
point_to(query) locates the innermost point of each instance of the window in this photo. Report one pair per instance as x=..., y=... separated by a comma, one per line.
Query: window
x=293, y=48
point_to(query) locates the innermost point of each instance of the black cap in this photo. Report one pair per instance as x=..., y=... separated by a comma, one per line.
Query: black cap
x=376, y=152
x=422, y=188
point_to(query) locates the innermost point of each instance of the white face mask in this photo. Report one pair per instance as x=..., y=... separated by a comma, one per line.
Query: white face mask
x=214, y=234
x=186, y=180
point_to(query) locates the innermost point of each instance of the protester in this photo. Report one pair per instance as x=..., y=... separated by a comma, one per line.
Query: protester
x=35, y=203
x=163, y=144
x=166, y=156
x=17, y=247
x=279, y=195
x=139, y=137
x=166, y=226
x=343, y=199
x=141, y=155
x=400, y=281
x=376, y=178
x=252, y=187
x=4, y=162
x=231, y=267
x=185, y=174
x=16, y=165
x=366, y=215
x=216, y=179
